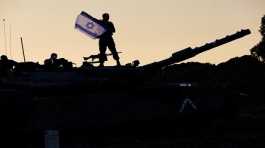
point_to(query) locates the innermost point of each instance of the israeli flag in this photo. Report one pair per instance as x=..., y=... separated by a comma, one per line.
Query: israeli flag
x=89, y=25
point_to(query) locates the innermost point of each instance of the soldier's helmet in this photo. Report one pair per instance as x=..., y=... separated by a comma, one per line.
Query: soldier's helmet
x=105, y=16
x=54, y=56
x=4, y=58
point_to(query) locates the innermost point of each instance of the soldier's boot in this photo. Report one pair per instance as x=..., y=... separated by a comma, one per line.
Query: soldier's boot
x=101, y=64
x=118, y=63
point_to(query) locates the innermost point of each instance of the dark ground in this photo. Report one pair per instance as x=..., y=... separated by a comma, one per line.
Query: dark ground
x=245, y=128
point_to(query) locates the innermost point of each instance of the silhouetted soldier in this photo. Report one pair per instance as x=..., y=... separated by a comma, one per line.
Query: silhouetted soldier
x=6, y=65
x=106, y=40
x=52, y=62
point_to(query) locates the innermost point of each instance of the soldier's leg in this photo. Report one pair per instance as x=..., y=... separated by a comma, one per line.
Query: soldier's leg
x=112, y=47
x=102, y=50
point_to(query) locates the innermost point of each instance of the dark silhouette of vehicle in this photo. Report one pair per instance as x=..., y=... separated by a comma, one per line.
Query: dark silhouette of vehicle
x=90, y=97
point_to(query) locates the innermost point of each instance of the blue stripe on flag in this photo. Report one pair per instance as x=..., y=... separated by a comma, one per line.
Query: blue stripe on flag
x=89, y=16
x=85, y=30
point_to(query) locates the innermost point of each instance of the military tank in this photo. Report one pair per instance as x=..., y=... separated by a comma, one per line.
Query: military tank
x=90, y=97
x=34, y=75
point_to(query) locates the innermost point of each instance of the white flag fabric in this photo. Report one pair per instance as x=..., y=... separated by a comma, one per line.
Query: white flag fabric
x=89, y=25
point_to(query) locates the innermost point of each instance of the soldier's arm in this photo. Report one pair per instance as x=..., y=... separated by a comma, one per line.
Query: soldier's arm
x=112, y=28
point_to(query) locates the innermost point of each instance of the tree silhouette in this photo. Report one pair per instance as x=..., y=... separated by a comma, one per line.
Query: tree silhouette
x=258, y=50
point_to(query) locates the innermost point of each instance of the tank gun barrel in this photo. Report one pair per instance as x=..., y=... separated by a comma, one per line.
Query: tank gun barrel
x=191, y=52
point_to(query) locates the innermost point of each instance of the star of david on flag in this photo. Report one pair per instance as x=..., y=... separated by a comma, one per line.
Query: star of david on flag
x=89, y=25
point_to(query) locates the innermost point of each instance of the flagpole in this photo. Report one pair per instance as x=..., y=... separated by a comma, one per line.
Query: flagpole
x=5, y=36
x=21, y=40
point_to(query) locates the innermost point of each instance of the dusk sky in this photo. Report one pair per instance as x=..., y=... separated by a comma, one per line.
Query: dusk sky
x=148, y=30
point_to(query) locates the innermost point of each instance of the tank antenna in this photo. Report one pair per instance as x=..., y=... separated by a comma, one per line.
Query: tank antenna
x=22, y=46
x=4, y=24
x=10, y=41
